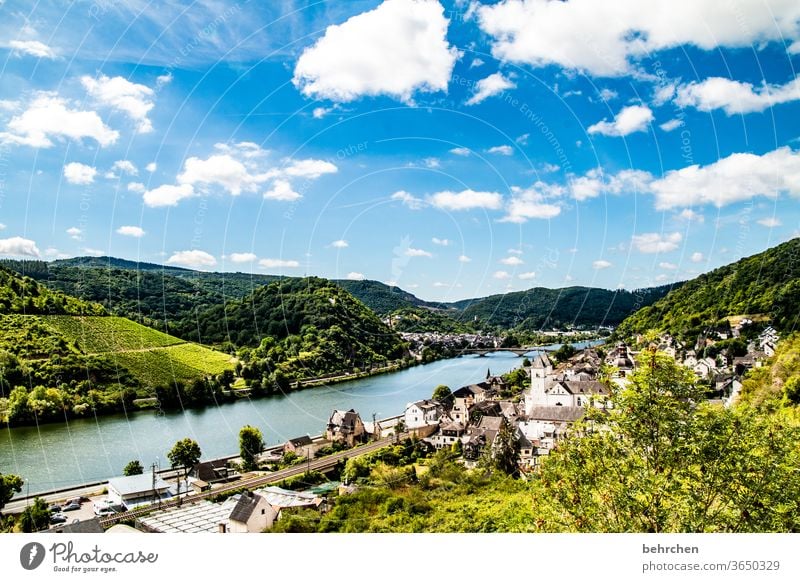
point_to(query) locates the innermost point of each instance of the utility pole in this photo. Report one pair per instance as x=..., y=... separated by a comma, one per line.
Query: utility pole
x=153, y=471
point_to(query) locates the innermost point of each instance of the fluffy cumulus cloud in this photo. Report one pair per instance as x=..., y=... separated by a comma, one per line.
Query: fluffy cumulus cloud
x=340, y=244
x=238, y=168
x=527, y=276
x=735, y=97
x=534, y=202
x=408, y=199
x=77, y=173
x=698, y=257
x=194, y=259
x=125, y=167
x=412, y=252
x=132, y=99
x=629, y=120
x=671, y=125
x=49, y=117
x=443, y=242
x=355, y=276
x=167, y=195
x=668, y=266
x=502, y=150
x=278, y=264
x=33, y=48
x=740, y=176
x=606, y=38
x=770, y=222
x=464, y=259
x=464, y=152
x=466, y=200
x=134, y=231
x=239, y=258
x=654, y=242
x=501, y=275
x=17, y=246
x=512, y=261
x=396, y=49
x=600, y=264
x=595, y=182
x=75, y=233
x=494, y=84
x=282, y=190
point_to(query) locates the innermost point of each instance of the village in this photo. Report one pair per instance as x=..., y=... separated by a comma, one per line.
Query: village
x=217, y=496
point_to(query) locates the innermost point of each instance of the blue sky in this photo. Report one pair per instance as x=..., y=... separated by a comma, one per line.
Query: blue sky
x=456, y=149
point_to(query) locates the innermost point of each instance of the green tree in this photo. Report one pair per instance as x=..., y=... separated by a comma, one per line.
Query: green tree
x=133, y=468
x=791, y=390
x=663, y=460
x=505, y=453
x=9, y=485
x=251, y=442
x=564, y=353
x=441, y=393
x=36, y=517
x=185, y=453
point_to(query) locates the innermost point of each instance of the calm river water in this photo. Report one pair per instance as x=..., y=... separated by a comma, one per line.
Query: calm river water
x=55, y=455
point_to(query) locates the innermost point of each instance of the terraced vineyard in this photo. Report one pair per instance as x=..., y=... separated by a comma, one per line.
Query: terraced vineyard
x=97, y=335
x=182, y=362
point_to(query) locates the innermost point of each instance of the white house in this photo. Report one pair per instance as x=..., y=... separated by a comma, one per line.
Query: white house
x=703, y=368
x=249, y=513
x=422, y=413
x=137, y=490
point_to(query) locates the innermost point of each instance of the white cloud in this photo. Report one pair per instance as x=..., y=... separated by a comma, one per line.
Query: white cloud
x=309, y=168
x=441, y=241
x=278, y=263
x=608, y=94
x=595, y=182
x=355, y=276
x=320, y=112
x=412, y=252
x=606, y=38
x=94, y=252
x=671, y=125
x=668, y=266
x=132, y=99
x=151, y=167
x=697, y=257
x=738, y=177
x=396, y=49
x=600, y=264
x=512, y=261
x=77, y=173
x=501, y=275
x=691, y=216
x=125, y=167
x=769, y=222
x=432, y=163
x=440, y=284
x=222, y=170
x=533, y=203
x=134, y=231
x=242, y=257
x=164, y=80
x=464, y=259
x=527, y=276
x=502, y=150
x=2, y=226
x=18, y=247
x=466, y=200
x=75, y=233
x=282, y=190
x=33, y=48
x=492, y=85
x=794, y=48
x=409, y=200
x=461, y=151
x=49, y=116
x=735, y=97
x=340, y=244
x=654, y=242
x=514, y=251
x=522, y=139
x=167, y=195
x=629, y=120
x=193, y=259
x=137, y=187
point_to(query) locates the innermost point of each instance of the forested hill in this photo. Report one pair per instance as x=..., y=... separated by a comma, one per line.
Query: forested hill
x=310, y=316
x=766, y=285
x=24, y=295
x=381, y=298
x=542, y=308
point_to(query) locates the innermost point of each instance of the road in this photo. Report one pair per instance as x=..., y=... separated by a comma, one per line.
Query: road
x=322, y=464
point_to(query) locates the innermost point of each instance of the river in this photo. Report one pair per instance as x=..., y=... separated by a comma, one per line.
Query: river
x=57, y=455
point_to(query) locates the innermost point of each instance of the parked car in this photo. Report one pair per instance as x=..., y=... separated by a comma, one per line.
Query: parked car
x=55, y=509
x=58, y=518
x=106, y=507
x=71, y=506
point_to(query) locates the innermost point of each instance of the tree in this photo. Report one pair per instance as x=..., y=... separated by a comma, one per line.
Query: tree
x=792, y=389
x=251, y=442
x=9, y=485
x=664, y=460
x=36, y=517
x=185, y=453
x=441, y=393
x=564, y=353
x=133, y=468
x=505, y=453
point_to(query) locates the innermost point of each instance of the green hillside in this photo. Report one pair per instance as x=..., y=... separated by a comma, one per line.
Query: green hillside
x=419, y=320
x=541, y=308
x=25, y=295
x=766, y=284
x=381, y=298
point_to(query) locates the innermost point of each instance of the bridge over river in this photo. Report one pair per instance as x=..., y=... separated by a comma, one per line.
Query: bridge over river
x=518, y=351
